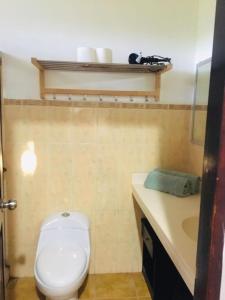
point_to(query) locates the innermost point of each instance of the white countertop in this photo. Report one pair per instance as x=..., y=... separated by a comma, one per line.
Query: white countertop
x=166, y=213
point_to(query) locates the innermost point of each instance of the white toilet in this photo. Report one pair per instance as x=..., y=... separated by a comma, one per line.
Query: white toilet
x=63, y=255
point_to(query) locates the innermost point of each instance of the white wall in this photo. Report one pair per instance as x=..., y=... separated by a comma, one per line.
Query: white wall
x=205, y=29
x=52, y=29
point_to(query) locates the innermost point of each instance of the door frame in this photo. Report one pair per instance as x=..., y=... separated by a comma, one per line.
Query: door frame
x=2, y=229
x=212, y=212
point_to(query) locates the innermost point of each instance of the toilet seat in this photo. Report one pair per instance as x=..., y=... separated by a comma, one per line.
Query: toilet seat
x=60, y=266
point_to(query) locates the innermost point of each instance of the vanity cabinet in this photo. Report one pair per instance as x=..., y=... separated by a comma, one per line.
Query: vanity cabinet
x=180, y=290
x=162, y=277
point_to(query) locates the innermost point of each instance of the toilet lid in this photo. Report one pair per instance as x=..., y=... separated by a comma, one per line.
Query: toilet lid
x=60, y=266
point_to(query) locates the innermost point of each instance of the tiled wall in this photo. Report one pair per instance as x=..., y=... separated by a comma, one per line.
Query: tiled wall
x=85, y=158
x=195, y=159
x=199, y=126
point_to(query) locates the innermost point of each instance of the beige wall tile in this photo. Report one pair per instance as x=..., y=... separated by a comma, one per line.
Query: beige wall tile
x=195, y=159
x=14, y=175
x=59, y=176
x=109, y=126
x=105, y=258
x=84, y=177
x=92, y=256
x=59, y=123
x=39, y=124
x=85, y=159
x=83, y=125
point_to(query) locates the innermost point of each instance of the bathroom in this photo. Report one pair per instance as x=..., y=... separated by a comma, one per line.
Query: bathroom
x=78, y=153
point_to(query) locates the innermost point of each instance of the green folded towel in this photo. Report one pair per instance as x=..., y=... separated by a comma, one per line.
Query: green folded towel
x=195, y=180
x=180, y=186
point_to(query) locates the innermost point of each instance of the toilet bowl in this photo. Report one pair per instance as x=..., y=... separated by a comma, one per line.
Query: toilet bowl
x=63, y=254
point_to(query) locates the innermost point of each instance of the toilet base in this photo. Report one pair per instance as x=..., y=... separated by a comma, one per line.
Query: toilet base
x=75, y=297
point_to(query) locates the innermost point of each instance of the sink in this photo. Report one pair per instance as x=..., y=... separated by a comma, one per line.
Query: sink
x=190, y=227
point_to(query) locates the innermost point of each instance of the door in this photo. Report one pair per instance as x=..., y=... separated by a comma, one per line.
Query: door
x=11, y=204
x=212, y=214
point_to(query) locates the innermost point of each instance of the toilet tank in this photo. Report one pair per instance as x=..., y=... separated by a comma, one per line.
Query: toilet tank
x=70, y=228
x=66, y=220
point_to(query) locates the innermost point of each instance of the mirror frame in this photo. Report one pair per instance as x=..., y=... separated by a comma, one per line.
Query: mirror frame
x=201, y=63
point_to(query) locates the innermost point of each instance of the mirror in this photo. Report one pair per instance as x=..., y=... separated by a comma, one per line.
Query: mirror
x=200, y=104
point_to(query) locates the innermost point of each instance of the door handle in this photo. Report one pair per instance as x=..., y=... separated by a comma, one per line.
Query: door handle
x=10, y=204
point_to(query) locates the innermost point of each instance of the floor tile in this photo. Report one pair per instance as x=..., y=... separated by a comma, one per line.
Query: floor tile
x=140, y=285
x=22, y=289
x=114, y=286
x=130, y=286
x=87, y=291
x=123, y=298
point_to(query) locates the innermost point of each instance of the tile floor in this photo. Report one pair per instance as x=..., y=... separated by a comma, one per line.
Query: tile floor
x=100, y=287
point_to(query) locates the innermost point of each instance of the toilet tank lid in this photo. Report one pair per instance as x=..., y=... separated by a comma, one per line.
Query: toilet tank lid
x=66, y=220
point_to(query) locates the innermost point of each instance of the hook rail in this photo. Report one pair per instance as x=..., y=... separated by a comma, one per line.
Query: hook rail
x=44, y=65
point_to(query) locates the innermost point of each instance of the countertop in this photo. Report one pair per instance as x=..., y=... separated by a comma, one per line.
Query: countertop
x=166, y=213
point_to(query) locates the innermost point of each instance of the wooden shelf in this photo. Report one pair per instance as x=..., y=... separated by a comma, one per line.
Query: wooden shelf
x=94, y=67
x=50, y=65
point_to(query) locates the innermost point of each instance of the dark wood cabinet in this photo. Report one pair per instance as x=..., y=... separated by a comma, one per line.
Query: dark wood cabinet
x=180, y=290
x=162, y=277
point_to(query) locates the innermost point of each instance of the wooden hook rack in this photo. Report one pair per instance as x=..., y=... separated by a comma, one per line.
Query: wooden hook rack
x=49, y=65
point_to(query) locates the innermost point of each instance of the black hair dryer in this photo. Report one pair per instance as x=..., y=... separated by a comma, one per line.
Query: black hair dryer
x=135, y=59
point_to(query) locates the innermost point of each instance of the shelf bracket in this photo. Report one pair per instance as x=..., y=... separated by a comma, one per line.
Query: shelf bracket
x=41, y=71
x=157, y=85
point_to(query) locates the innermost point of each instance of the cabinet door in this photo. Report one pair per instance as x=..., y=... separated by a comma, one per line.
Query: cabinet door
x=181, y=291
x=161, y=275
x=168, y=284
x=165, y=274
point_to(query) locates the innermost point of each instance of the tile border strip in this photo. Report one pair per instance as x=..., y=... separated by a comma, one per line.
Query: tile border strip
x=83, y=104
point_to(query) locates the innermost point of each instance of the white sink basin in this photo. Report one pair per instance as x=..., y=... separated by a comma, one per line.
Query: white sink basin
x=190, y=227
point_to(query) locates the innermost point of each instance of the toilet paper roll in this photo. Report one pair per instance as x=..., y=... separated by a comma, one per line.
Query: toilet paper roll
x=104, y=55
x=86, y=54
